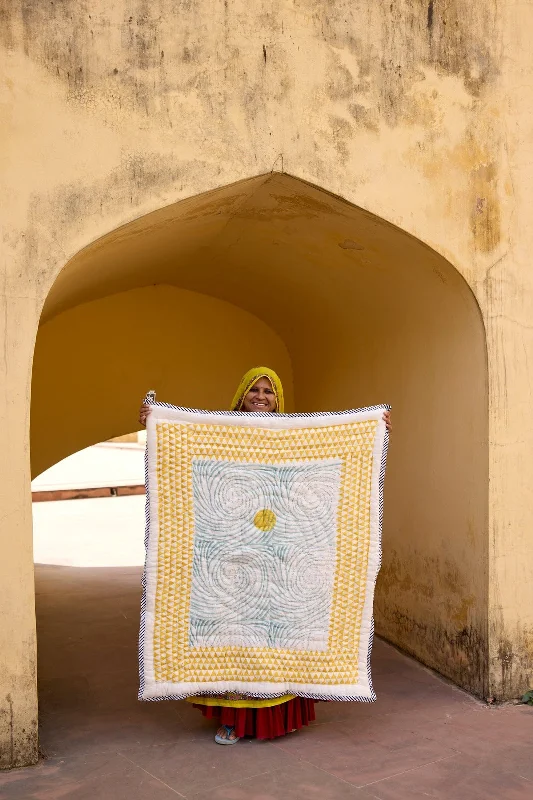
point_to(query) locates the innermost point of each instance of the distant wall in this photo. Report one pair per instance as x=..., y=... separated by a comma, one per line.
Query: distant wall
x=94, y=363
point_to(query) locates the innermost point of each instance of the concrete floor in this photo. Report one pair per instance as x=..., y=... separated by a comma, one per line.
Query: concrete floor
x=101, y=532
x=422, y=739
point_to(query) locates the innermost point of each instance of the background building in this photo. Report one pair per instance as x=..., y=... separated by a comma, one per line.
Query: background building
x=339, y=190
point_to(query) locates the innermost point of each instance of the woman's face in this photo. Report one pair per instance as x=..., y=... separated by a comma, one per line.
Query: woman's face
x=261, y=397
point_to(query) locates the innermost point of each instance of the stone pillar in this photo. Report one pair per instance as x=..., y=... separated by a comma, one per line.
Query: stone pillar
x=509, y=322
x=18, y=690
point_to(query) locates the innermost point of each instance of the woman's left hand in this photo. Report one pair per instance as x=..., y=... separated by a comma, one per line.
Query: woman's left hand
x=386, y=419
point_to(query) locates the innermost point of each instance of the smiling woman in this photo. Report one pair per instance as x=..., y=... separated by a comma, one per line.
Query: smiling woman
x=261, y=397
x=259, y=390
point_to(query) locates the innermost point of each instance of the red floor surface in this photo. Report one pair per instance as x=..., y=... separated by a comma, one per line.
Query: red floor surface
x=422, y=739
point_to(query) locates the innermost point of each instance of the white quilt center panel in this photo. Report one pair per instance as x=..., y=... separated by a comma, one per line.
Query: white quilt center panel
x=264, y=554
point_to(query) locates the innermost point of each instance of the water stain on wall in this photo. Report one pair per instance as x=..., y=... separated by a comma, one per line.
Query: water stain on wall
x=453, y=641
x=485, y=221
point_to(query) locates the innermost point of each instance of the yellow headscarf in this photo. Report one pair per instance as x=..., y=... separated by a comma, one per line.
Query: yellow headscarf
x=250, y=379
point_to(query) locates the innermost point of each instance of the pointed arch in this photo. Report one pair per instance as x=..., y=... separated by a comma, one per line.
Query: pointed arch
x=352, y=311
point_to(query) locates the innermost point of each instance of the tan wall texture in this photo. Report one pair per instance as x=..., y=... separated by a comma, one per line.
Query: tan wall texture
x=417, y=113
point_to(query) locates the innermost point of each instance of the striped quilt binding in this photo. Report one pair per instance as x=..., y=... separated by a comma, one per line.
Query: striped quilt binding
x=258, y=695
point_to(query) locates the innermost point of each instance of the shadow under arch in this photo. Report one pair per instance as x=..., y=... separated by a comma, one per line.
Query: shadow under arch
x=352, y=311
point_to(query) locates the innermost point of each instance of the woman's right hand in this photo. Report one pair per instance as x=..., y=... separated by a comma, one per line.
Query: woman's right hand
x=143, y=413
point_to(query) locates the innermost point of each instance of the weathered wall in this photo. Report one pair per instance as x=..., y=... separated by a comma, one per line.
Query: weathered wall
x=507, y=296
x=424, y=354
x=114, y=110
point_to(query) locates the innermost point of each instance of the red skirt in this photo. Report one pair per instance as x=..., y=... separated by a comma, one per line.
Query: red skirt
x=264, y=723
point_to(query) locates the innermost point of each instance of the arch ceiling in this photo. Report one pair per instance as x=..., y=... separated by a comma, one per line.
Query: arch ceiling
x=274, y=229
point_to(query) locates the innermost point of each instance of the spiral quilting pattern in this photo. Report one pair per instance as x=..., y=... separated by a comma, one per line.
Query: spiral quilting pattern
x=264, y=554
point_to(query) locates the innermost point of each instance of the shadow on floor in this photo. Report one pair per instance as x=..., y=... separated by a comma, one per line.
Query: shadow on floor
x=422, y=738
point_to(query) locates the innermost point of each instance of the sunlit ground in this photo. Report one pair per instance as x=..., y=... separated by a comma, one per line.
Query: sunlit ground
x=102, y=532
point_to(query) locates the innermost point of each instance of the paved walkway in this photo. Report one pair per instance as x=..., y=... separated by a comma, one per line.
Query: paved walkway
x=103, y=532
x=422, y=738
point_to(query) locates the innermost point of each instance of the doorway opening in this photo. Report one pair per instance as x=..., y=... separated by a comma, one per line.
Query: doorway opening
x=350, y=311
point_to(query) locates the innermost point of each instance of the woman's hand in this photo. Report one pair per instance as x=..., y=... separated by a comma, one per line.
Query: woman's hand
x=143, y=413
x=386, y=419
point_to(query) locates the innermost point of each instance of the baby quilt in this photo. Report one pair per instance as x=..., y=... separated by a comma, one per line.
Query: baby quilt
x=263, y=543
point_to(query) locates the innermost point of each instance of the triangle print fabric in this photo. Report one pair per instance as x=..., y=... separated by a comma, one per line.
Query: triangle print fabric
x=263, y=543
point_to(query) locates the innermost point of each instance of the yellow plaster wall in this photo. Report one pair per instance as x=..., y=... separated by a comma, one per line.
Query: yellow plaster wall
x=507, y=294
x=94, y=363
x=422, y=117
x=425, y=355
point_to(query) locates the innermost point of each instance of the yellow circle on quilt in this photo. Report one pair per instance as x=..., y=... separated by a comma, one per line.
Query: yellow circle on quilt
x=265, y=519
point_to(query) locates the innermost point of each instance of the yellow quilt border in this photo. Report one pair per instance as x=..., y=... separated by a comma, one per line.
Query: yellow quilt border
x=177, y=445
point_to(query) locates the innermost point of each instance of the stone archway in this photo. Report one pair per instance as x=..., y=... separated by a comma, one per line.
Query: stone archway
x=351, y=311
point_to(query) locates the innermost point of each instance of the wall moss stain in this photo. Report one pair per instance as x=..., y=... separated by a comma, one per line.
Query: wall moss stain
x=341, y=83
x=388, y=49
x=461, y=42
x=506, y=658
x=340, y=134
x=394, y=45
x=366, y=118
x=430, y=16
x=460, y=615
x=460, y=654
x=485, y=218
x=18, y=733
x=423, y=575
x=143, y=35
x=430, y=599
x=511, y=659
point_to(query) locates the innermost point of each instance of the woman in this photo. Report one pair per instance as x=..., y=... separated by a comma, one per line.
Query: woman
x=259, y=391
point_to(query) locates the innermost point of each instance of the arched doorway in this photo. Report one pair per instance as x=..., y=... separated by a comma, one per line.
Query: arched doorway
x=351, y=311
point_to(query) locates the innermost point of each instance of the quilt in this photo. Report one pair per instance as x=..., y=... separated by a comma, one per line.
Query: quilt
x=263, y=544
